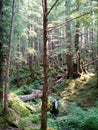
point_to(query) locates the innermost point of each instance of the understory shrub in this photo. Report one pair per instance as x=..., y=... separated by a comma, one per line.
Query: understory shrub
x=35, y=118
x=35, y=84
x=90, y=123
x=75, y=118
x=24, y=89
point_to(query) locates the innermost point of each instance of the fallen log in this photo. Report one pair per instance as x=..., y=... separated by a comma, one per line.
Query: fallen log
x=35, y=94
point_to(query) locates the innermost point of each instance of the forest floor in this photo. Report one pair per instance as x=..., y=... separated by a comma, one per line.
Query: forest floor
x=83, y=91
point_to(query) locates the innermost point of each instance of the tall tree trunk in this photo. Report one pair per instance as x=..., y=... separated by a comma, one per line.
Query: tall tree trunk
x=77, y=51
x=97, y=56
x=68, y=54
x=1, y=53
x=30, y=57
x=8, y=61
x=45, y=62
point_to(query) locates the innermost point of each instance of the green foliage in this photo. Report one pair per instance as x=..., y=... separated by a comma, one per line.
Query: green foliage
x=35, y=118
x=35, y=84
x=63, y=84
x=90, y=123
x=75, y=118
x=53, y=125
x=92, y=81
x=18, y=106
x=13, y=116
x=96, y=104
x=28, y=121
x=23, y=90
x=1, y=108
x=2, y=121
x=2, y=118
x=24, y=122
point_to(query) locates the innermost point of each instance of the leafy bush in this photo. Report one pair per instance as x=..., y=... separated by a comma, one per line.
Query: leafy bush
x=35, y=84
x=35, y=118
x=53, y=125
x=90, y=123
x=24, y=90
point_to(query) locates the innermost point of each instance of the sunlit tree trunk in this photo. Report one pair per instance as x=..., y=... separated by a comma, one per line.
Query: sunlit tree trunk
x=45, y=62
x=30, y=57
x=77, y=50
x=8, y=61
x=1, y=52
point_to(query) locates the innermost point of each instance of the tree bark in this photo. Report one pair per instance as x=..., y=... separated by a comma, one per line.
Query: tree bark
x=97, y=56
x=8, y=61
x=68, y=53
x=34, y=95
x=77, y=51
x=1, y=53
x=30, y=55
x=45, y=63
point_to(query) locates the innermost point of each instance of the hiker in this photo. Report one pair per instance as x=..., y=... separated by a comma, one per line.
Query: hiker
x=55, y=110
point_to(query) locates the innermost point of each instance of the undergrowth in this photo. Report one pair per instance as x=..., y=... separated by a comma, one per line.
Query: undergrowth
x=75, y=118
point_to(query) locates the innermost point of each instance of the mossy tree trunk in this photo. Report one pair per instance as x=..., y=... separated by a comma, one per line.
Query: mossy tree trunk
x=8, y=61
x=77, y=51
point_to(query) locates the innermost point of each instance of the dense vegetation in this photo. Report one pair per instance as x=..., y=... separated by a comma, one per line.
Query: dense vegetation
x=76, y=111
x=49, y=50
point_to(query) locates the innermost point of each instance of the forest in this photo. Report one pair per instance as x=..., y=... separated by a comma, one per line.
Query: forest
x=48, y=64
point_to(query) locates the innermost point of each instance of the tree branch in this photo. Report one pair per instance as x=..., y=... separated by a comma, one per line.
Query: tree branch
x=52, y=7
x=63, y=24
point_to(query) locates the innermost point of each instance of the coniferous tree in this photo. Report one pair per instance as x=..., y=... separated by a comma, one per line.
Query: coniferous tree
x=9, y=60
x=45, y=63
x=1, y=51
